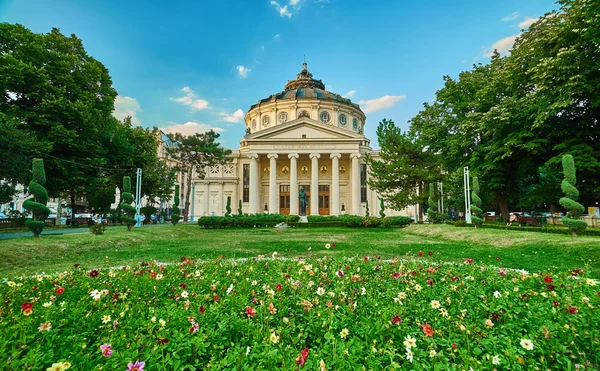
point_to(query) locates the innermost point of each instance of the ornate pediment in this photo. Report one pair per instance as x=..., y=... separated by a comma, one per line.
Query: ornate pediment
x=304, y=129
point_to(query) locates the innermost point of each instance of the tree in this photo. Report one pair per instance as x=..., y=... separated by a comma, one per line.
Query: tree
x=63, y=97
x=575, y=209
x=128, y=209
x=175, y=214
x=195, y=153
x=431, y=199
x=37, y=202
x=476, y=204
x=406, y=165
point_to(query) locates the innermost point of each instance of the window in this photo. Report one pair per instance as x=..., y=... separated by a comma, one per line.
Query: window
x=246, y=183
x=343, y=120
x=363, y=182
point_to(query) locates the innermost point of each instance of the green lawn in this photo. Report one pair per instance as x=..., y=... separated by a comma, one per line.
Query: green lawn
x=528, y=250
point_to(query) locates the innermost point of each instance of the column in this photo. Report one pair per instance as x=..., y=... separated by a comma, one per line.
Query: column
x=335, y=183
x=355, y=183
x=253, y=207
x=206, y=199
x=293, y=183
x=314, y=184
x=221, y=200
x=273, y=183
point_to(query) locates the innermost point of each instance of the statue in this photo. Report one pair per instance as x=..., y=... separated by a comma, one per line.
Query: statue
x=302, y=197
x=248, y=131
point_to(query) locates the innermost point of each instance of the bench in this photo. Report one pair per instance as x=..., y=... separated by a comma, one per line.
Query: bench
x=529, y=220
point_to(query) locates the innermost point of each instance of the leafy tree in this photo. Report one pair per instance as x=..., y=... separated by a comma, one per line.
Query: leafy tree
x=476, y=204
x=175, y=214
x=62, y=96
x=37, y=202
x=406, y=165
x=431, y=199
x=381, y=207
x=128, y=209
x=575, y=209
x=228, y=206
x=195, y=153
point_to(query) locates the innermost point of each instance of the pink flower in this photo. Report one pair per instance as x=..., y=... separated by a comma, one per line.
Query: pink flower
x=340, y=273
x=396, y=275
x=250, y=311
x=502, y=272
x=301, y=360
x=396, y=319
x=105, y=349
x=195, y=327
x=137, y=366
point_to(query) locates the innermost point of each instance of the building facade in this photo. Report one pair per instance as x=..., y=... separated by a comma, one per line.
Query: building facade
x=305, y=137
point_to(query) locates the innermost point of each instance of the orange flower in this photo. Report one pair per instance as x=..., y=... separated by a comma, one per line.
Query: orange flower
x=250, y=311
x=427, y=330
x=272, y=308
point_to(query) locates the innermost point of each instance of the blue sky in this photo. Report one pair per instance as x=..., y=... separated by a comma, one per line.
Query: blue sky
x=194, y=65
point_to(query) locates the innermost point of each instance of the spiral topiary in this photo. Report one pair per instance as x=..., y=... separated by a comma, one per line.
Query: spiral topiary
x=367, y=209
x=175, y=215
x=381, y=207
x=574, y=208
x=476, y=204
x=240, y=211
x=126, y=207
x=37, y=202
x=431, y=200
x=228, y=206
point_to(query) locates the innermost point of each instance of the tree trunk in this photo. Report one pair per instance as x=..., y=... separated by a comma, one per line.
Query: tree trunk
x=188, y=190
x=72, y=207
x=552, y=208
x=58, y=212
x=501, y=199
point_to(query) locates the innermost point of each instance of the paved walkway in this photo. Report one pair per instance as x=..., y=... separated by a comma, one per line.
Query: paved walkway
x=6, y=236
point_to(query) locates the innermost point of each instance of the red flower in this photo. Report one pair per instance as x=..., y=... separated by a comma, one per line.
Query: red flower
x=396, y=319
x=153, y=275
x=76, y=265
x=278, y=287
x=60, y=290
x=556, y=303
x=27, y=306
x=396, y=275
x=202, y=309
x=250, y=311
x=571, y=309
x=550, y=287
x=420, y=253
x=301, y=360
x=183, y=286
x=469, y=260
x=216, y=297
x=548, y=279
x=430, y=253
x=162, y=340
x=454, y=345
x=93, y=273
x=427, y=330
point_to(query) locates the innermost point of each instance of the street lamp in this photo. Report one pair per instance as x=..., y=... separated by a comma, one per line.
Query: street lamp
x=467, y=195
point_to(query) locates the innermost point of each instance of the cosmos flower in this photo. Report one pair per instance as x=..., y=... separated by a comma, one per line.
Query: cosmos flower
x=344, y=333
x=527, y=344
x=105, y=349
x=137, y=366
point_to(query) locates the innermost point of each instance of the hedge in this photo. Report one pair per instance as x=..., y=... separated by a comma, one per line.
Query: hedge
x=242, y=221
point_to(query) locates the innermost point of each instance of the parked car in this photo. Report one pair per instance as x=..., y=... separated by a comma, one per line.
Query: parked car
x=87, y=219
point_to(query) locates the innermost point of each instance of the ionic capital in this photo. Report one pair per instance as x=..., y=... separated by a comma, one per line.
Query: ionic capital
x=314, y=155
x=335, y=155
x=293, y=155
x=272, y=155
x=354, y=155
x=253, y=156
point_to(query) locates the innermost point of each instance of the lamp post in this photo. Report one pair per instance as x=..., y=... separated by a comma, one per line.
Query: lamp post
x=467, y=195
x=193, y=194
x=138, y=197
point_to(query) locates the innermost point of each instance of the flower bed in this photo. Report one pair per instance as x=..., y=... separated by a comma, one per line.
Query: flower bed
x=289, y=314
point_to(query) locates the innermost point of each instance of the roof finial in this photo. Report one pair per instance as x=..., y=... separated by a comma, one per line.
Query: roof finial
x=304, y=64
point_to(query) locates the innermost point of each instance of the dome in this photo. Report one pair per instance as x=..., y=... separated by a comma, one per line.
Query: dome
x=304, y=86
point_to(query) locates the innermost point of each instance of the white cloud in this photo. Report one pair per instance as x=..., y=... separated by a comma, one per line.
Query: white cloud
x=243, y=71
x=387, y=101
x=511, y=17
x=237, y=116
x=350, y=93
x=190, y=99
x=294, y=2
x=502, y=45
x=277, y=36
x=189, y=128
x=282, y=10
x=527, y=22
x=127, y=106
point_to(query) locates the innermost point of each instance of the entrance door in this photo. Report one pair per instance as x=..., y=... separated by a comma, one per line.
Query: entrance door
x=284, y=199
x=307, y=191
x=323, y=200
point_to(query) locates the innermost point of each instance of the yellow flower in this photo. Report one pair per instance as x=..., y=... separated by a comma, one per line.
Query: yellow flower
x=435, y=304
x=274, y=338
x=590, y=282
x=11, y=284
x=344, y=333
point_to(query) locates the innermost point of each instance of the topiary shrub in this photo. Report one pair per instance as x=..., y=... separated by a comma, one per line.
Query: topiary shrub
x=228, y=206
x=476, y=204
x=126, y=207
x=240, y=212
x=460, y=223
x=37, y=202
x=175, y=215
x=367, y=208
x=396, y=221
x=98, y=228
x=574, y=208
x=292, y=219
x=148, y=211
x=436, y=218
x=381, y=208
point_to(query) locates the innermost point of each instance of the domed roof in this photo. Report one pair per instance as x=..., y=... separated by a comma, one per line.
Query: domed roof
x=304, y=86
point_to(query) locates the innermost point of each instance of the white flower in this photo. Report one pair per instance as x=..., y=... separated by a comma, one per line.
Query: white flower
x=496, y=360
x=254, y=283
x=274, y=255
x=274, y=338
x=106, y=319
x=527, y=344
x=159, y=276
x=344, y=333
x=327, y=246
x=11, y=284
x=489, y=323
x=184, y=294
x=247, y=350
x=153, y=319
x=96, y=295
x=162, y=322
x=444, y=312
x=409, y=355
x=363, y=291
x=320, y=291
x=590, y=282
x=39, y=278
x=497, y=294
x=418, y=287
x=230, y=289
x=435, y=304
x=585, y=299
x=46, y=305
x=410, y=342
x=432, y=353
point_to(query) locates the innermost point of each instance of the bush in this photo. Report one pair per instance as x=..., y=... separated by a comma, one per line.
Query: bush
x=353, y=221
x=292, y=219
x=396, y=221
x=98, y=228
x=476, y=218
x=460, y=223
x=241, y=221
x=371, y=222
x=148, y=211
x=436, y=217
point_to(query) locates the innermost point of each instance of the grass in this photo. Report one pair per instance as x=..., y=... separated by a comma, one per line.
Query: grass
x=531, y=251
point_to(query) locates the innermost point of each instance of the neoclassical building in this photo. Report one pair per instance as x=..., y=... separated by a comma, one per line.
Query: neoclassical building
x=304, y=136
